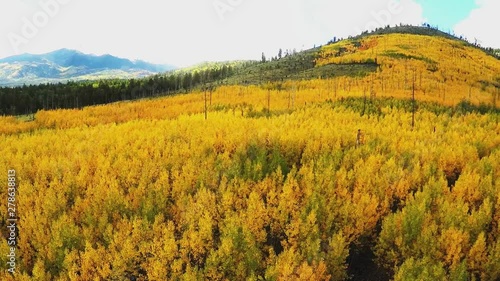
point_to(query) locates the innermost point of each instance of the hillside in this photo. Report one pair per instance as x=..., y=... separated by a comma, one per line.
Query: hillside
x=437, y=68
x=251, y=182
x=385, y=63
x=316, y=166
x=63, y=65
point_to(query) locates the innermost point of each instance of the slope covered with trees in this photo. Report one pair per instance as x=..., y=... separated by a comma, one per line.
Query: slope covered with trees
x=382, y=171
x=435, y=67
x=128, y=191
x=385, y=62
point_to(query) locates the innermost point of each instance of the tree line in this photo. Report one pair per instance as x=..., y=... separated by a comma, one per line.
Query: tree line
x=29, y=99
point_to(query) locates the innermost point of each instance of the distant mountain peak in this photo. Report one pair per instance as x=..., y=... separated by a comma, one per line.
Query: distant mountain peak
x=67, y=64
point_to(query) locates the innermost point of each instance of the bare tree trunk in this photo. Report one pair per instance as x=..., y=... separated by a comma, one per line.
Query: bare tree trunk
x=206, y=114
x=413, y=101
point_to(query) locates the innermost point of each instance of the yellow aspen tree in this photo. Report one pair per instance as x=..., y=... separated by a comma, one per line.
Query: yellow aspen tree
x=420, y=269
x=492, y=267
x=338, y=251
x=477, y=257
x=454, y=245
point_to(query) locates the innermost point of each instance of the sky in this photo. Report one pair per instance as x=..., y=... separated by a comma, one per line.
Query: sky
x=186, y=32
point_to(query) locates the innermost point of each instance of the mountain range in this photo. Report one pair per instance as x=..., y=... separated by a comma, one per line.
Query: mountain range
x=64, y=65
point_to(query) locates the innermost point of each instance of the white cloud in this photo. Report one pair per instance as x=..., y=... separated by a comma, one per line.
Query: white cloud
x=482, y=24
x=184, y=32
x=355, y=16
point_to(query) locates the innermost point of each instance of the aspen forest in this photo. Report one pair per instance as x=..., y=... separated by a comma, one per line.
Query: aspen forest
x=271, y=180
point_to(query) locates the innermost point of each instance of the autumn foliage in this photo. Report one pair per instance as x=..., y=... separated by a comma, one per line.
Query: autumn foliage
x=439, y=69
x=269, y=184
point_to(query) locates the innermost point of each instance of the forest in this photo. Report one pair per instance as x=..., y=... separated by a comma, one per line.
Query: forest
x=28, y=99
x=256, y=190
x=382, y=173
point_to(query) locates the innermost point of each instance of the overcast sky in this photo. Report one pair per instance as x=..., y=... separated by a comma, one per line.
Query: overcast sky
x=185, y=32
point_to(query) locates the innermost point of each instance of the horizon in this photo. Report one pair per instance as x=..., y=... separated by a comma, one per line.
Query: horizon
x=195, y=31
